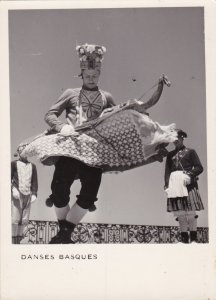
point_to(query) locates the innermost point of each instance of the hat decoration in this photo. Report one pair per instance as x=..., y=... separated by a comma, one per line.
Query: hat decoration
x=90, y=56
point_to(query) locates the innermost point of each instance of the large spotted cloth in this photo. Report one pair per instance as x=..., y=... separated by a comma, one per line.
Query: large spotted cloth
x=123, y=141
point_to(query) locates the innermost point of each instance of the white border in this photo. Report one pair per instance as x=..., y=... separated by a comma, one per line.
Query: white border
x=120, y=271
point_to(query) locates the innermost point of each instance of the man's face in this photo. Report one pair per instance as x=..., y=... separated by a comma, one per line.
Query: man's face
x=179, y=142
x=90, y=78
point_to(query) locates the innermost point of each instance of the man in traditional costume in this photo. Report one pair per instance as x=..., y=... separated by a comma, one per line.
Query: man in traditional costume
x=182, y=169
x=97, y=137
x=24, y=187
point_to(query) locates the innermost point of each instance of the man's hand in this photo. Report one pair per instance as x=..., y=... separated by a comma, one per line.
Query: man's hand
x=158, y=157
x=187, y=179
x=68, y=130
x=15, y=193
x=163, y=151
x=33, y=198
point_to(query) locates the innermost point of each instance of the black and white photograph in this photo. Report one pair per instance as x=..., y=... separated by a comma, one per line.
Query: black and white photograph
x=104, y=171
x=108, y=148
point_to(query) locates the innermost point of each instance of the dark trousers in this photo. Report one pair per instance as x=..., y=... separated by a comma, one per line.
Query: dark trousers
x=66, y=171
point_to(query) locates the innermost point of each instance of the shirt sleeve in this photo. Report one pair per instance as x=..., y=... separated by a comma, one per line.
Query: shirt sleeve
x=109, y=98
x=51, y=117
x=197, y=168
x=34, y=181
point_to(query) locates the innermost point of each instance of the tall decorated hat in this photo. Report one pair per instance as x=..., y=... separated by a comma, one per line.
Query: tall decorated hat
x=90, y=56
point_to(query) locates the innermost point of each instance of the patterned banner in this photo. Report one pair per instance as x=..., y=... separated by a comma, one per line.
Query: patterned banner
x=41, y=232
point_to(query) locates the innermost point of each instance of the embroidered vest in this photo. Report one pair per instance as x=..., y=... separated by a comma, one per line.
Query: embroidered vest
x=91, y=105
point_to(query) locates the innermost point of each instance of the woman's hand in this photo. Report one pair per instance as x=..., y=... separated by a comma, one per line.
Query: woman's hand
x=68, y=130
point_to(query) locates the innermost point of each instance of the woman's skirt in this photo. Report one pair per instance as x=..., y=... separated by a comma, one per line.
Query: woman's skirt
x=125, y=140
x=192, y=202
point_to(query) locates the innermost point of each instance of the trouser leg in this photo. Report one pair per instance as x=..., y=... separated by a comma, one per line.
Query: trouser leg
x=15, y=217
x=90, y=179
x=14, y=229
x=14, y=240
x=14, y=233
x=21, y=229
x=64, y=175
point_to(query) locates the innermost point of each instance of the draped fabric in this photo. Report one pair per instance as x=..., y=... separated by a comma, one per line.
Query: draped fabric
x=177, y=185
x=124, y=140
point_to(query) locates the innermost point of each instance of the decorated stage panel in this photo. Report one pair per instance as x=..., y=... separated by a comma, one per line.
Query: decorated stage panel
x=41, y=232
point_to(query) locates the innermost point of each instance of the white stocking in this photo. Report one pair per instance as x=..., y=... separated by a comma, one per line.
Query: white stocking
x=76, y=214
x=183, y=223
x=192, y=221
x=61, y=212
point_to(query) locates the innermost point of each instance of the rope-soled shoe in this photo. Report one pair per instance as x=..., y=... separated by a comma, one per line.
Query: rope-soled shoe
x=61, y=239
x=64, y=234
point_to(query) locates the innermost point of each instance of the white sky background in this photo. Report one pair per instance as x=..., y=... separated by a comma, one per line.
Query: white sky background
x=141, y=43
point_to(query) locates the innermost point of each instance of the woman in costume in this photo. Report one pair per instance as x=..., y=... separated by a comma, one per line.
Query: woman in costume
x=97, y=137
x=24, y=187
x=182, y=169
